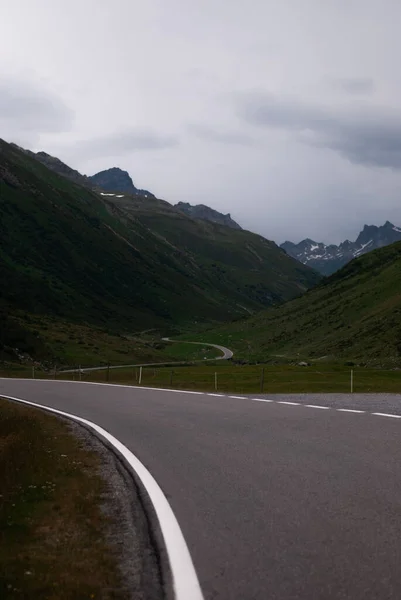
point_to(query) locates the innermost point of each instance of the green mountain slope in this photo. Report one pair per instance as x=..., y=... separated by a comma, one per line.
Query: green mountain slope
x=127, y=263
x=355, y=314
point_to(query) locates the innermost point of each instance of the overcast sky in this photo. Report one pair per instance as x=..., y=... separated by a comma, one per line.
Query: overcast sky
x=285, y=113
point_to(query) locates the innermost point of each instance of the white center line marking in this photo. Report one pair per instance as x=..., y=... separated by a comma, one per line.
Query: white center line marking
x=261, y=400
x=238, y=397
x=219, y=395
x=386, y=415
x=317, y=406
x=351, y=410
x=290, y=403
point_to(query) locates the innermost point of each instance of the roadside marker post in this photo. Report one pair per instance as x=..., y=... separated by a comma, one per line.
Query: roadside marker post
x=215, y=381
x=352, y=381
x=171, y=378
x=140, y=375
x=33, y=372
x=262, y=380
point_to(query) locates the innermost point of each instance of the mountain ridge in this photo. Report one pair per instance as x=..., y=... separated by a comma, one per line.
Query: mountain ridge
x=114, y=180
x=329, y=258
x=201, y=211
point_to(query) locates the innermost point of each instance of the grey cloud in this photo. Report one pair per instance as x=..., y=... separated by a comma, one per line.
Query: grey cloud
x=223, y=137
x=200, y=52
x=124, y=142
x=369, y=137
x=356, y=85
x=28, y=109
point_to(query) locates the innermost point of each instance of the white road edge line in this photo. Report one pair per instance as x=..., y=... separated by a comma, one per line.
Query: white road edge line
x=185, y=580
x=262, y=400
x=290, y=403
x=217, y=395
x=238, y=397
x=317, y=406
x=351, y=410
x=386, y=415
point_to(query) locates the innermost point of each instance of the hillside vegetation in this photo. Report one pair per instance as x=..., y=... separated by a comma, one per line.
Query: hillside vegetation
x=354, y=314
x=126, y=264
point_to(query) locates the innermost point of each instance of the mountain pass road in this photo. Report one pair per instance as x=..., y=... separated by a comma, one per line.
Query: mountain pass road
x=227, y=353
x=281, y=498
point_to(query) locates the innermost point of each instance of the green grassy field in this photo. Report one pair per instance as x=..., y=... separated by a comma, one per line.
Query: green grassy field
x=246, y=379
x=58, y=343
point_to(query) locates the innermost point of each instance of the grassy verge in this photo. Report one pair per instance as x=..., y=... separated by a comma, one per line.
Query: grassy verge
x=66, y=344
x=254, y=379
x=191, y=352
x=52, y=528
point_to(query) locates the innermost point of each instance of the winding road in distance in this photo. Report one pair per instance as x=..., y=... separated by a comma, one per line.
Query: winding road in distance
x=227, y=354
x=278, y=497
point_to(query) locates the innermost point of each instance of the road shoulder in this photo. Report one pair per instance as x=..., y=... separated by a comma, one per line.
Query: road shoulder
x=72, y=521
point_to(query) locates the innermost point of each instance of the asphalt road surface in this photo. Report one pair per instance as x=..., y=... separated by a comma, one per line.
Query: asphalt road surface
x=295, y=498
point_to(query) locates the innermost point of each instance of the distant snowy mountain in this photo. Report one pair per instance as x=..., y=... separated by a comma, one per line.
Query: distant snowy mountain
x=328, y=259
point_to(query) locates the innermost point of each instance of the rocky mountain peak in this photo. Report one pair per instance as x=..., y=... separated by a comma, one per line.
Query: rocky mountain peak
x=114, y=180
x=117, y=180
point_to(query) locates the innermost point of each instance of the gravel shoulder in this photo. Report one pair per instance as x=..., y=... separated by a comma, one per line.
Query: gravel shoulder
x=129, y=532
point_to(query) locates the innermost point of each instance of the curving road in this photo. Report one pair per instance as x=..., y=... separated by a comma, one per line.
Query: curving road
x=285, y=497
x=227, y=353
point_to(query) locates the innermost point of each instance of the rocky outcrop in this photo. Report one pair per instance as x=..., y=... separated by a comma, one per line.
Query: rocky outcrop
x=56, y=165
x=200, y=211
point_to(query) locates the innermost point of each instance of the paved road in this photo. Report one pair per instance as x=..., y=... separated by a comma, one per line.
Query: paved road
x=276, y=501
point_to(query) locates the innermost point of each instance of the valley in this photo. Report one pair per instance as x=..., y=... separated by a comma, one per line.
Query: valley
x=114, y=264
x=99, y=275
